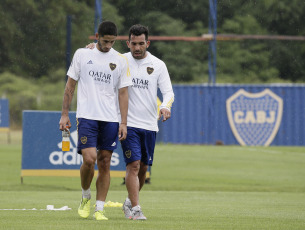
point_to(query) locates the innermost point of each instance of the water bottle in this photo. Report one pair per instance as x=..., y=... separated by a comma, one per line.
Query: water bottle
x=65, y=140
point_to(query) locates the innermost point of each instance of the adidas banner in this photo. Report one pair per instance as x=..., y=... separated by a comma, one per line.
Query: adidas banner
x=41, y=147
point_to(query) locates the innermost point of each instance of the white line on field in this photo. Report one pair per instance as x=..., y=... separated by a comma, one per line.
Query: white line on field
x=49, y=208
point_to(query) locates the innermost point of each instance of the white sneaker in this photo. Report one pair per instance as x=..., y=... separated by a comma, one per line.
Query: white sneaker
x=137, y=213
x=127, y=208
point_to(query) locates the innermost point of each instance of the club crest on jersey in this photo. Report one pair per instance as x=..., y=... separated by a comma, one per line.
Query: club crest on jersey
x=128, y=153
x=112, y=66
x=150, y=70
x=254, y=117
x=83, y=140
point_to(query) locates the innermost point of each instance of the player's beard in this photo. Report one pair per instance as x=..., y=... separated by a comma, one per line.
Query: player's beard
x=141, y=56
x=101, y=48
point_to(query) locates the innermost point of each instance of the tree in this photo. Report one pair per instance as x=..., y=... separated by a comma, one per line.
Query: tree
x=244, y=61
x=33, y=38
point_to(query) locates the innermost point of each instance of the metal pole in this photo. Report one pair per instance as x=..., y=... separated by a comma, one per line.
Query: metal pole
x=212, y=67
x=212, y=44
x=68, y=42
x=98, y=14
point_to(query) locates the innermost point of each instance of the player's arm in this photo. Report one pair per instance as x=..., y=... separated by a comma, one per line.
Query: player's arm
x=166, y=89
x=73, y=77
x=68, y=95
x=165, y=111
x=123, y=102
x=124, y=83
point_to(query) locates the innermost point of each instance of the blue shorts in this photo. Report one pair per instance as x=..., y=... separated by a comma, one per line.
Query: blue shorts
x=100, y=134
x=139, y=145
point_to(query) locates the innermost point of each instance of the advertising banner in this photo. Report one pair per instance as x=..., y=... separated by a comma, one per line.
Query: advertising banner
x=41, y=147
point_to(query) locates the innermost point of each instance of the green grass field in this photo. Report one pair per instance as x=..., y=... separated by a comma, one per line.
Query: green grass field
x=192, y=187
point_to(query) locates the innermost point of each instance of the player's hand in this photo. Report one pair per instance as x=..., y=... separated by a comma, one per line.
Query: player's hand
x=64, y=123
x=122, y=132
x=90, y=45
x=165, y=113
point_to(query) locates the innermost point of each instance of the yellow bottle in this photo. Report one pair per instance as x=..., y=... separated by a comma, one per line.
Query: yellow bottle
x=65, y=140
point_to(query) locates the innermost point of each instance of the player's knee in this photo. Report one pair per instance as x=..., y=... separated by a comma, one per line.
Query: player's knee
x=104, y=162
x=133, y=167
x=89, y=157
x=89, y=161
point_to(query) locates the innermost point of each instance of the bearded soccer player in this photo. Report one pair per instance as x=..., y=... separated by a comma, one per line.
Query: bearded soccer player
x=148, y=73
x=103, y=78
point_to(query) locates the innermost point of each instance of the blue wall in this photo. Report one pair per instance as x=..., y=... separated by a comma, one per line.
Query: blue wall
x=199, y=114
x=4, y=113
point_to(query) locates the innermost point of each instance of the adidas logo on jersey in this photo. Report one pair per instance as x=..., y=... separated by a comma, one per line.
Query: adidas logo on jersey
x=114, y=144
x=90, y=62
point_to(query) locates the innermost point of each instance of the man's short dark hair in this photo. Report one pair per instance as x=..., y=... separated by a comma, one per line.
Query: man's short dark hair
x=107, y=28
x=138, y=30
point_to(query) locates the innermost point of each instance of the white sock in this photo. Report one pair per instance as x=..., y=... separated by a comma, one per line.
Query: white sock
x=99, y=205
x=86, y=193
x=128, y=200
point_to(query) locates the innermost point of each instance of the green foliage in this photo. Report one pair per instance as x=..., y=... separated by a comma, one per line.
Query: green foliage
x=244, y=61
x=51, y=91
x=25, y=94
x=33, y=36
x=21, y=94
x=282, y=59
x=184, y=60
x=253, y=61
x=34, y=33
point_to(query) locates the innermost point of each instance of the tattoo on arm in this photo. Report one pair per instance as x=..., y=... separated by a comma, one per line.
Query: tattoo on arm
x=70, y=91
x=68, y=95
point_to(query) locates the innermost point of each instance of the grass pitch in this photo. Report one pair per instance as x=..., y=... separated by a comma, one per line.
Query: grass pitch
x=192, y=187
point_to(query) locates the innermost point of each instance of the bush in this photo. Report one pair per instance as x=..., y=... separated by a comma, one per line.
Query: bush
x=25, y=94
